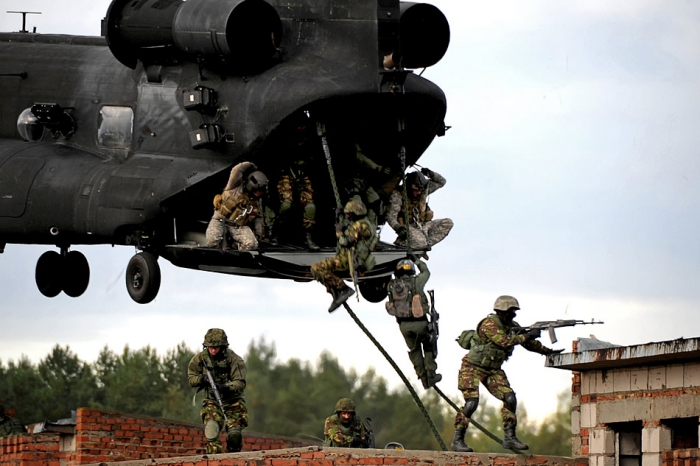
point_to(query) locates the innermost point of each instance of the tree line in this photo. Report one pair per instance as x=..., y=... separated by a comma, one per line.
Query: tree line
x=287, y=398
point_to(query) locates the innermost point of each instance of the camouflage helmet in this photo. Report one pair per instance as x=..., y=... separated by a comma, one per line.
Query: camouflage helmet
x=416, y=180
x=215, y=337
x=345, y=404
x=256, y=181
x=405, y=267
x=355, y=206
x=505, y=302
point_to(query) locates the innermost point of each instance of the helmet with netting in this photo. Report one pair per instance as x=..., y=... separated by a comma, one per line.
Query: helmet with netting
x=345, y=404
x=256, y=181
x=355, y=206
x=215, y=337
x=405, y=267
x=505, y=303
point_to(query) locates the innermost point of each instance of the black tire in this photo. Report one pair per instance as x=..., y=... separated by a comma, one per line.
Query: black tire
x=374, y=290
x=49, y=274
x=76, y=274
x=143, y=277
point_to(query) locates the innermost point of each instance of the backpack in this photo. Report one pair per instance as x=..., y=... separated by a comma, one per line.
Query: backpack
x=467, y=338
x=399, y=304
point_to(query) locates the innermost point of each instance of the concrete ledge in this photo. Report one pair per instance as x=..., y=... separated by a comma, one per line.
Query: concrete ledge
x=325, y=456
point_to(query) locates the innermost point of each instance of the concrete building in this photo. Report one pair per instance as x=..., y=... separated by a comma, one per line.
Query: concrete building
x=634, y=405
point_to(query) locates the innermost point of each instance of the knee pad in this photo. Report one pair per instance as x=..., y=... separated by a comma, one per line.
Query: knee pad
x=310, y=211
x=510, y=402
x=211, y=430
x=470, y=405
x=285, y=206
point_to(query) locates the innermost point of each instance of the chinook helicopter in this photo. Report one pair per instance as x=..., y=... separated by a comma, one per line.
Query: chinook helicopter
x=126, y=138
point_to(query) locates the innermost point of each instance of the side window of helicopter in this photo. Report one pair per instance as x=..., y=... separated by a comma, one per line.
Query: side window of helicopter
x=115, y=127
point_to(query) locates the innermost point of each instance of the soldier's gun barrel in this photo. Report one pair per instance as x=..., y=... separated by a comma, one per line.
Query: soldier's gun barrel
x=217, y=395
x=550, y=325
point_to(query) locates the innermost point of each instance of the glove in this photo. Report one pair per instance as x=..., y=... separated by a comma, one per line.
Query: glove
x=401, y=231
x=548, y=351
x=533, y=334
x=427, y=172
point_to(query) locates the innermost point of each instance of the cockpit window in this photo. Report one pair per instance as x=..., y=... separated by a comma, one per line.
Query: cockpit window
x=115, y=127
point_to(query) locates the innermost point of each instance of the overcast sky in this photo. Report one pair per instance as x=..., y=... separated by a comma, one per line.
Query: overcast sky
x=572, y=168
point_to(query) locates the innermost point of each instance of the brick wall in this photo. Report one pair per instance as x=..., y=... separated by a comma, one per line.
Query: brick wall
x=324, y=456
x=687, y=457
x=32, y=450
x=104, y=436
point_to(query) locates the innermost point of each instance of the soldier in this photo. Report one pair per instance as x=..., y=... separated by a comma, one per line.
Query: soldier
x=405, y=289
x=229, y=372
x=238, y=207
x=9, y=425
x=294, y=178
x=356, y=241
x=493, y=342
x=425, y=232
x=345, y=428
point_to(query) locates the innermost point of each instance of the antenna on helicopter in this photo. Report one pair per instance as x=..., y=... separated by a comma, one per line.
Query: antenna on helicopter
x=24, y=18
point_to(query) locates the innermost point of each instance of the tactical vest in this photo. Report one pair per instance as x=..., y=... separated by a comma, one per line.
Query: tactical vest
x=220, y=370
x=418, y=210
x=236, y=206
x=488, y=354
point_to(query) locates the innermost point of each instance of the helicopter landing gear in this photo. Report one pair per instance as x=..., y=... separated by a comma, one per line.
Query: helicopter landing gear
x=143, y=277
x=68, y=272
x=374, y=290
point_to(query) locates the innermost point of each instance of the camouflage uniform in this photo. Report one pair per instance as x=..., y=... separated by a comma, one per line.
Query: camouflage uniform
x=352, y=435
x=425, y=232
x=9, y=425
x=294, y=179
x=415, y=329
x=358, y=235
x=229, y=372
x=485, y=366
x=235, y=210
x=495, y=339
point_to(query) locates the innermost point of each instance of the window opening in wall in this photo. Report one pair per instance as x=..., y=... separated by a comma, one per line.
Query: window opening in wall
x=684, y=432
x=628, y=443
x=115, y=127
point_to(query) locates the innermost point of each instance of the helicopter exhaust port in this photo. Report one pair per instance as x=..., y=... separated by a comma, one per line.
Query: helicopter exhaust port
x=243, y=33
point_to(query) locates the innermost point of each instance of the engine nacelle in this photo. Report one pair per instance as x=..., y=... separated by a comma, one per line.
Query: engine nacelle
x=241, y=33
x=425, y=34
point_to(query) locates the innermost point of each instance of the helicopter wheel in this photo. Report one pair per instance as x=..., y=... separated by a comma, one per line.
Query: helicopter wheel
x=143, y=277
x=374, y=290
x=76, y=274
x=49, y=274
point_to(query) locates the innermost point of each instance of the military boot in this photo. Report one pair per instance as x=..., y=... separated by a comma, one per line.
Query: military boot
x=340, y=296
x=310, y=243
x=458, y=441
x=510, y=441
x=434, y=379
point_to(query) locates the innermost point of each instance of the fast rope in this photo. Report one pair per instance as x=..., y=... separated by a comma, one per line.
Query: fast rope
x=472, y=421
x=413, y=393
x=321, y=131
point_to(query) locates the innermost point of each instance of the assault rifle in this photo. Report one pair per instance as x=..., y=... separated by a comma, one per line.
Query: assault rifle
x=215, y=390
x=550, y=325
x=433, y=329
x=358, y=442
